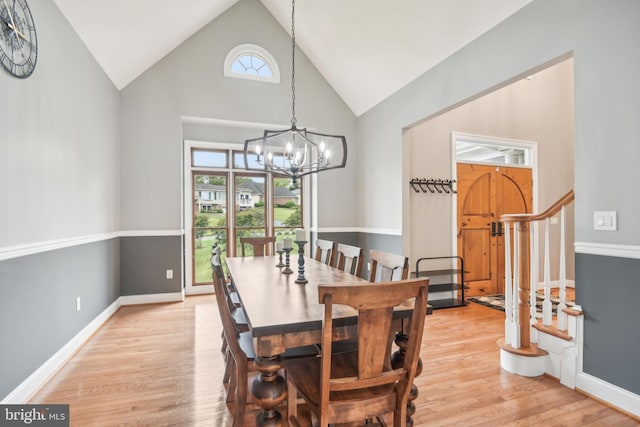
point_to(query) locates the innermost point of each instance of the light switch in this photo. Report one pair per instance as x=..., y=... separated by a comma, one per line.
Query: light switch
x=605, y=220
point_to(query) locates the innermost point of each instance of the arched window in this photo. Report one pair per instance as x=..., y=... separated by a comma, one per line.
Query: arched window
x=250, y=61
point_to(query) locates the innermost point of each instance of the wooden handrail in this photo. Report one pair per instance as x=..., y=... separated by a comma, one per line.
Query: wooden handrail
x=551, y=211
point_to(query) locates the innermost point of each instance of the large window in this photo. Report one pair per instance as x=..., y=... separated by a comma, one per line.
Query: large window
x=229, y=203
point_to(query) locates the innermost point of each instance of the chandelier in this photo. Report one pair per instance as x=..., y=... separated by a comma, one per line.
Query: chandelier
x=294, y=152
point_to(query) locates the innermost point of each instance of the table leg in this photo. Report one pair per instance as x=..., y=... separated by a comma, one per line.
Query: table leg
x=269, y=389
x=397, y=360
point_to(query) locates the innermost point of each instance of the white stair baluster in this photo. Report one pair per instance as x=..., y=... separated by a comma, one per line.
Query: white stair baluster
x=562, y=316
x=508, y=283
x=547, y=313
x=533, y=278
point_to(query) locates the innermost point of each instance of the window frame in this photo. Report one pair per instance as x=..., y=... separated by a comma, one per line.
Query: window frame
x=254, y=50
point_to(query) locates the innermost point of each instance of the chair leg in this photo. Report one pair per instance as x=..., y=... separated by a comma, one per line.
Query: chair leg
x=241, y=392
x=292, y=403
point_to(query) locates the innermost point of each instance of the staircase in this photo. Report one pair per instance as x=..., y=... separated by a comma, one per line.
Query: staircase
x=531, y=347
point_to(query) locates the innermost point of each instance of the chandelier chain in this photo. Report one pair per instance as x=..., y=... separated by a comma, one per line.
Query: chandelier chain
x=293, y=64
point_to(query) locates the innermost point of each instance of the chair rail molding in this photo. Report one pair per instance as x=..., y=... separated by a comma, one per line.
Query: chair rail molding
x=17, y=251
x=608, y=249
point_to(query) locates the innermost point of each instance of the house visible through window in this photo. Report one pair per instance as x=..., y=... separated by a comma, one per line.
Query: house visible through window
x=249, y=61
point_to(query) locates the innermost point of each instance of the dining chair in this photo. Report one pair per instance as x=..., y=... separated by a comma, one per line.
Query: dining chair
x=261, y=245
x=356, y=386
x=389, y=266
x=238, y=317
x=349, y=259
x=325, y=251
x=240, y=352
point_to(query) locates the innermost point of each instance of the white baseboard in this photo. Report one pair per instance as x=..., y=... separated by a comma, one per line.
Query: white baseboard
x=41, y=375
x=151, y=298
x=199, y=290
x=609, y=393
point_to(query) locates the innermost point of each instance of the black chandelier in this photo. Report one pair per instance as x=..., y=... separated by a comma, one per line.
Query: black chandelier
x=295, y=152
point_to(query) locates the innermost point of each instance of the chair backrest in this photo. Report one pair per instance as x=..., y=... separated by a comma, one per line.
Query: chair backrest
x=375, y=306
x=223, y=303
x=261, y=245
x=349, y=258
x=325, y=251
x=223, y=293
x=390, y=266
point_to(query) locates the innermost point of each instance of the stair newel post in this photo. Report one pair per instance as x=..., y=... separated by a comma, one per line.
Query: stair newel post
x=524, y=284
x=546, y=305
x=561, y=315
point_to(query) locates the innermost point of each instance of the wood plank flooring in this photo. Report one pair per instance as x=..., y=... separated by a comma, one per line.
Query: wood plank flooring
x=160, y=365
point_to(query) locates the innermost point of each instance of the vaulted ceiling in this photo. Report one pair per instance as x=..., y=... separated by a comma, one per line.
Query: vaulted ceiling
x=366, y=49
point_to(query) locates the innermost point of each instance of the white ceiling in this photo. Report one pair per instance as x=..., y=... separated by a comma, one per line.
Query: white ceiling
x=366, y=49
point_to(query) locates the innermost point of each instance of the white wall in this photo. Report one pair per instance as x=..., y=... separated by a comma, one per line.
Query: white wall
x=190, y=82
x=59, y=140
x=538, y=109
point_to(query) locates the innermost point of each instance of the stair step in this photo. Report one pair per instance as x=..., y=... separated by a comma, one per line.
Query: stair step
x=552, y=330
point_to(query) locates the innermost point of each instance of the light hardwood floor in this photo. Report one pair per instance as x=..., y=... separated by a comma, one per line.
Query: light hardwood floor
x=160, y=365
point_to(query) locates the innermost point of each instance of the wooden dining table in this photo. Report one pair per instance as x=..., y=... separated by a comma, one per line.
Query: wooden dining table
x=283, y=314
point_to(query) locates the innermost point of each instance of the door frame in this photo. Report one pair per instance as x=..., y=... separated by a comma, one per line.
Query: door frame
x=532, y=146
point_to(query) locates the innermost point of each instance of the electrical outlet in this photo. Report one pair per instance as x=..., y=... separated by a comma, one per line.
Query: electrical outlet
x=169, y=274
x=78, y=304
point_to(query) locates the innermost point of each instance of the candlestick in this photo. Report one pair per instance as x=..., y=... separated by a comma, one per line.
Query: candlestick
x=280, y=252
x=301, y=278
x=287, y=269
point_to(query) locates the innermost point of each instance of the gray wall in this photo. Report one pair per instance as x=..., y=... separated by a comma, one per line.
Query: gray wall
x=38, y=306
x=611, y=334
x=603, y=38
x=144, y=262
x=59, y=179
x=366, y=241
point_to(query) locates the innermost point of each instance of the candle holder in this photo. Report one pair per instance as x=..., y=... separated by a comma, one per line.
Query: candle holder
x=301, y=278
x=287, y=269
x=280, y=263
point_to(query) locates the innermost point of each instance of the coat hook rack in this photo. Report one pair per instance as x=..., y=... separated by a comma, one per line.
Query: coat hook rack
x=433, y=186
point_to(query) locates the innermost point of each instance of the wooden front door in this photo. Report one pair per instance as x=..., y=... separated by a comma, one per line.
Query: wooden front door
x=485, y=193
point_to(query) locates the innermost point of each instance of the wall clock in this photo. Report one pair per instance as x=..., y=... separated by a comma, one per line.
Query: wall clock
x=18, y=42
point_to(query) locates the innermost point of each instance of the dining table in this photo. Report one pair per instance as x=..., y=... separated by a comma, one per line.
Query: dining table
x=283, y=312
